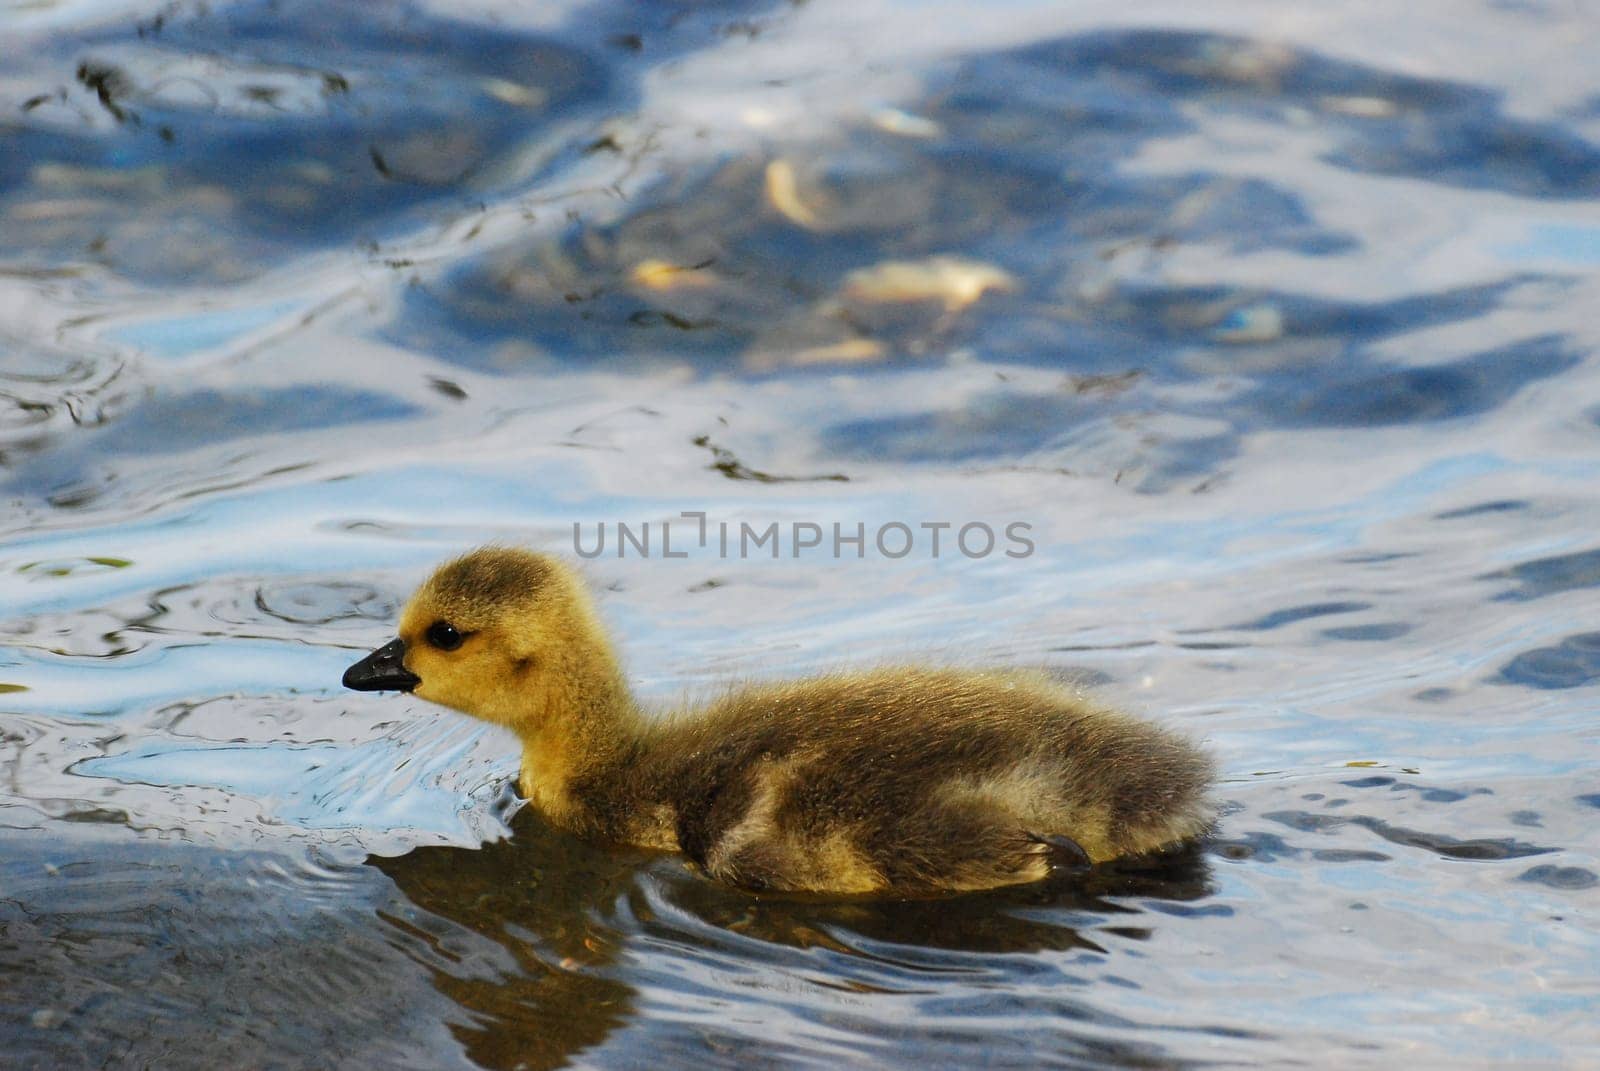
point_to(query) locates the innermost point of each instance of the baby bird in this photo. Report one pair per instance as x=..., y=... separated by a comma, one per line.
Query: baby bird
x=889, y=782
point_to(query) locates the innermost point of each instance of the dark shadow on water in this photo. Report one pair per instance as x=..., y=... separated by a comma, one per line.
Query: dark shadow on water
x=1465, y=848
x=1572, y=663
x=1549, y=576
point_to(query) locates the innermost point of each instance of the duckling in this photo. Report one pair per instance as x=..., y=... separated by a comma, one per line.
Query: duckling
x=899, y=781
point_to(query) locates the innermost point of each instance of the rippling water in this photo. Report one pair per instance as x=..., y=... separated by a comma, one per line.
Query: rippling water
x=1276, y=327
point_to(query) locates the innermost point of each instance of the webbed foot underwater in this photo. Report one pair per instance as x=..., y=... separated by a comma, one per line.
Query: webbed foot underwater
x=897, y=781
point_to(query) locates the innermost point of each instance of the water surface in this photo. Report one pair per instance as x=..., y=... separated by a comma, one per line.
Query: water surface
x=1276, y=328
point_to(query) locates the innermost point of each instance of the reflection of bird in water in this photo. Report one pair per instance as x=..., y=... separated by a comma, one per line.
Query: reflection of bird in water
x=904, y=781
x=579, y=921
x=541, y=895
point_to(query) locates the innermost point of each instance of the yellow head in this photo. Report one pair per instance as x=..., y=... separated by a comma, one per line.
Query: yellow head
x=505, y=635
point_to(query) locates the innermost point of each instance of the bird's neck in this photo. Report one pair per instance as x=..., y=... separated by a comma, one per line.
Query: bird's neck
x=575, y=750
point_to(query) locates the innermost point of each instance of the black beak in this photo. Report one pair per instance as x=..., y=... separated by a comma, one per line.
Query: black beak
x=384, y=670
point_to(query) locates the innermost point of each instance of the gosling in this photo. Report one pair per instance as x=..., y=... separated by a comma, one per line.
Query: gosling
x=889, y=782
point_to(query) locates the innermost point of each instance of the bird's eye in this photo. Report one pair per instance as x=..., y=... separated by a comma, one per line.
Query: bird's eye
x=443, y=635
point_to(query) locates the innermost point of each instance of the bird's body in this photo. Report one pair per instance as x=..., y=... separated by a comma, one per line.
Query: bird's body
x=897, y=781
